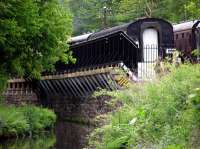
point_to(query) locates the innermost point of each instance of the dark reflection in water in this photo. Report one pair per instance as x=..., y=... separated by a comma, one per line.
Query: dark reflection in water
x=46, y=141
x=71, y=135
x=66, y=136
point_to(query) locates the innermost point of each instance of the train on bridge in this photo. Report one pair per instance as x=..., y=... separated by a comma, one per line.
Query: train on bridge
x=138, y=44
x=133, y=48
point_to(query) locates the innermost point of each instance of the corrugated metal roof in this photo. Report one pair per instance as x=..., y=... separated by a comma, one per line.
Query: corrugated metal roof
x=109, y=31
x=99, y=34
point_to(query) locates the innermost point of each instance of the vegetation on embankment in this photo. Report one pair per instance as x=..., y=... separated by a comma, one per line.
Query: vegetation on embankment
x=26, y=120
x=162, y=114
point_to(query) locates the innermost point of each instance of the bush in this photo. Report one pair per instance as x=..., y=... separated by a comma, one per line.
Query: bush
x=161, y=114
x=15, y=121
x=12, y=122
x=38, y=118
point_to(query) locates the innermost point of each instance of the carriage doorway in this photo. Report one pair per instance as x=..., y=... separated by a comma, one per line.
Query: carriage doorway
x=150, y=45
x=150, y=54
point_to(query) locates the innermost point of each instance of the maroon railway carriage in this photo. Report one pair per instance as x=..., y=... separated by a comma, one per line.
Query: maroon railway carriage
x=187, y=37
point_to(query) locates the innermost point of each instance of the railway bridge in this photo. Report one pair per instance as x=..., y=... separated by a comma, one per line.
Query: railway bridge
x=108, y=59
x=72, y=84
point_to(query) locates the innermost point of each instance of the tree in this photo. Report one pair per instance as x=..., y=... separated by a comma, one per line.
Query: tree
x=193, y=9
x=33, y=36
x=88, y=14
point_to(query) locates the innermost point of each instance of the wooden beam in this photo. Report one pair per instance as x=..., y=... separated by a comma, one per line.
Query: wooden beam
x=45, y=88
x=89, y=84
x=75, y=87
x=85, y=85
x=51, y=87
x=70, y=87
x=59, y=86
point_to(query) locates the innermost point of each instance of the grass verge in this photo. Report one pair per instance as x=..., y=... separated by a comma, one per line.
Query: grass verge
x=162, y=114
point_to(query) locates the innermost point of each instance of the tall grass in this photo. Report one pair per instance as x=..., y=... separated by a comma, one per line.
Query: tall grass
x=163, y=114
x=19, y=121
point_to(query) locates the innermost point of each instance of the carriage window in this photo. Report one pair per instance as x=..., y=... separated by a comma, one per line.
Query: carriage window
x=25, y=85
x=11, y=85
x=183, y=35
x=176, y=36
x=190, y=39
x=20, y=85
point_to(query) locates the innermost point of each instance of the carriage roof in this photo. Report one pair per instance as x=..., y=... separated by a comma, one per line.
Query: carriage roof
x=186, y=25
x=106, y=32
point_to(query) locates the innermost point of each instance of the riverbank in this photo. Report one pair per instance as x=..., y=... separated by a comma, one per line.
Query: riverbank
x=65, y=135
x=162, y=114
x=24, y=121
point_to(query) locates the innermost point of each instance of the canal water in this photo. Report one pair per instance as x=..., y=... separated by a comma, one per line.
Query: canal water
x=67, y=135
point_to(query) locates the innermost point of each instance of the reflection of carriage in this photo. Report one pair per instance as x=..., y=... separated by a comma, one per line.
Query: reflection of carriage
x=136, y=44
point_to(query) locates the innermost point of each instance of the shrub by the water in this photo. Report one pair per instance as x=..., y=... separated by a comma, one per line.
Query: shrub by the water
x=19, y=121
x=162, y=114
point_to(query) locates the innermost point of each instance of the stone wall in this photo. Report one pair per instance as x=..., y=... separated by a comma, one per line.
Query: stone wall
x=20, y=93
x=79, y=110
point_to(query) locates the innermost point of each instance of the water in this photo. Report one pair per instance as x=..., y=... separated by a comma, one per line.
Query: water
x=67, y=135
x=71, y=135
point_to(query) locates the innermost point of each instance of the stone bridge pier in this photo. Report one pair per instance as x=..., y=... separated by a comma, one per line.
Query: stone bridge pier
x=69, y=94
x=20, y=92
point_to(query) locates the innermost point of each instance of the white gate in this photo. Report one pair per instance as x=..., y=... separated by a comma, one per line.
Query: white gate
x=150, y=54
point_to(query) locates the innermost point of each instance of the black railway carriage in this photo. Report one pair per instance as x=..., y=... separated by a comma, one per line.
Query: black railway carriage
x=136, y=29
x=139, y=41
x=112, y=48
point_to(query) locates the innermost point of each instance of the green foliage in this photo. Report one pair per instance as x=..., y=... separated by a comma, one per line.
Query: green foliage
x=192, y=9
x=89, y=14
x=12, y=122
x=15, y=121
x=38, y=118
x=160, y=114
x=3, y=84
x=196, y=52
x=33, y=35
x=195, y=98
